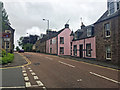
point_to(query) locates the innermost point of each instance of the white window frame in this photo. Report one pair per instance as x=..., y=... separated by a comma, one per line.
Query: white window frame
x=107, y=52
x=106, y=29
x=89, y=32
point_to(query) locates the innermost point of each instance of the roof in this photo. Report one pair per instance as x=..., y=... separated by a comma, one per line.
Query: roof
x=51, y=35
x=105, y=16
x=82, y=33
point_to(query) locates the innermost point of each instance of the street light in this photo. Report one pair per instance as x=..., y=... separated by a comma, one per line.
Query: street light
x=47, y=22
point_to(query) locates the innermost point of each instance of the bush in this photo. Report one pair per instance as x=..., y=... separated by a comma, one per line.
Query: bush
x=6, y=58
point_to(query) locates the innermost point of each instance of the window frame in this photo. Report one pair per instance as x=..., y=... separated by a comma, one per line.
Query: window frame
x=62, y=50
x=87, y=52
x=106, y=30
x=108, y=53
x=61, y=40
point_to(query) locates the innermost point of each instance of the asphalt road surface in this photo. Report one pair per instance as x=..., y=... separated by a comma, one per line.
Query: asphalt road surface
x=48, y=71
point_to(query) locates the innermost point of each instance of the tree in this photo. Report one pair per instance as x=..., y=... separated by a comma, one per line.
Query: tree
x=17, y=48
x=28, y=47
x=20, y=42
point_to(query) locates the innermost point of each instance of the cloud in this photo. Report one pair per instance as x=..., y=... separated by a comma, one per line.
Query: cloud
x=27, y=15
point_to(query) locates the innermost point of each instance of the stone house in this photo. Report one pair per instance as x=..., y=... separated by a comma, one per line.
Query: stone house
x=107, y=32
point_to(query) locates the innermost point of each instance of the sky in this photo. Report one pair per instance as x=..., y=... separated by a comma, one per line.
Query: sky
x=26, y=16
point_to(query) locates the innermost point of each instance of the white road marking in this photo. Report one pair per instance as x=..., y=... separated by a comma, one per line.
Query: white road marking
x=67, y=64
x=105, y=77
x=79, y=80
x=28, y=84
x=49, y=58
x=25, y=74
x=30, y=70
x=26, y=78
x=24, y=71
x=39, y=83
x=35, y=77
x=44, y=88
x=33, y=73
x=14, y=87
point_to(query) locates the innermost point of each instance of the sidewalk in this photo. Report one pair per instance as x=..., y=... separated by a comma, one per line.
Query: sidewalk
x=96, y=62
x=18, y=61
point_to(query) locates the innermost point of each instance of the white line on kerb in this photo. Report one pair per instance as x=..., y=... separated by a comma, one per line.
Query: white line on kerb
x=105, y=77
x=67, y=64
x=14, y=87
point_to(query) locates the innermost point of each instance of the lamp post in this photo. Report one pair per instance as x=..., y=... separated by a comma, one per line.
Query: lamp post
x=47, y=22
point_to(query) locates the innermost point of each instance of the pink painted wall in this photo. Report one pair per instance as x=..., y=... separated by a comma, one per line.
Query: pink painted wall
x=87, y=41
x=66, y=34
x=53, y=46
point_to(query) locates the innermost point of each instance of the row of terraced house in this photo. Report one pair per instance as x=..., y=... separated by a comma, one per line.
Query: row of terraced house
x=99, y=41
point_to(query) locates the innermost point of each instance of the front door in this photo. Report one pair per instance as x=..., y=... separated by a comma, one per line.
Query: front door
x=81, y=51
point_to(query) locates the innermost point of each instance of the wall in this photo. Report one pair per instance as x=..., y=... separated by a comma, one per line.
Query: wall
x=66, y=34
x=101, y=41
x=91, y=40
x=53, y=46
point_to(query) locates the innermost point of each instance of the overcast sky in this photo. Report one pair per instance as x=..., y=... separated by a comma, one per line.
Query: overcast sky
x=26, y=15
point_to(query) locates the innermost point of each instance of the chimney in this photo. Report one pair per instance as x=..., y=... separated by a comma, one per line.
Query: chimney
x=82, y=25
x=66, y=25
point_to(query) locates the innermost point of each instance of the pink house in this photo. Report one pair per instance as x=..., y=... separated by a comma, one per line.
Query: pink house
x=83, y=43
x=59, y=43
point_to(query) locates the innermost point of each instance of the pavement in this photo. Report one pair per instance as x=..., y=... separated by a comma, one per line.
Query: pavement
x=12, y=77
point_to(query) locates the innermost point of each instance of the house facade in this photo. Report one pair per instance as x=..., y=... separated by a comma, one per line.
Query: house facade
x=59, y=43
x=83, y=43
x=107, y=32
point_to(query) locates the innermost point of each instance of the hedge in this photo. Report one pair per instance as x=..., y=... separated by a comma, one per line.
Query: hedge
x=6, y=58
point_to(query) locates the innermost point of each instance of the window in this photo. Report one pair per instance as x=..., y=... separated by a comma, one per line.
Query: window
x=61, y=40
x=50, y=50
x=107, y=30
x=7, y=45
x=111, y=8
x=75, y=50
x=108, y=52
x=53, y=41
x=50, y=41
x=88, y=50
x=89, y=32
x=118, y=5
x=61, y=50
x=7, y=31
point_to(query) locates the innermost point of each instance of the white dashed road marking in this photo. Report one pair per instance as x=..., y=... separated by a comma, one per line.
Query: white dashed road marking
x=39, y=83
x=26, y=78
x=33, y=73
x=12, y=87
x=109, y=79
x=25, y=74
x=67, y=64
x=35, y=77
x=28, y=84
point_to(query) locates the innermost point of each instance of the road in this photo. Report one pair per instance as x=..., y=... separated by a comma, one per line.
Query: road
x=49, y=71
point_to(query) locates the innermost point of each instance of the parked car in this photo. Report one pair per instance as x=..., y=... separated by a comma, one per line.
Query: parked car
x=21, y=51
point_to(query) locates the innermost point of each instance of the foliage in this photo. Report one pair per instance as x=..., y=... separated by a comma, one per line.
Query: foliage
x=3, y=52
x=6, y=58
x=17, y=48
x=20, y=42
x=28, y=47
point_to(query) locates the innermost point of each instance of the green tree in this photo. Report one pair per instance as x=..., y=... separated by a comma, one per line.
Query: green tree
x=17, y=48
x=20, y=42
x=28, y=47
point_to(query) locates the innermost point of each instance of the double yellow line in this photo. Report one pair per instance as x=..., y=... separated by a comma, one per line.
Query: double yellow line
x=28, y=63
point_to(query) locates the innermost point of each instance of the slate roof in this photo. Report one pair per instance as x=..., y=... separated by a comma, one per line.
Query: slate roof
x=82, y=33
x=105, y=16
x=51, y=35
